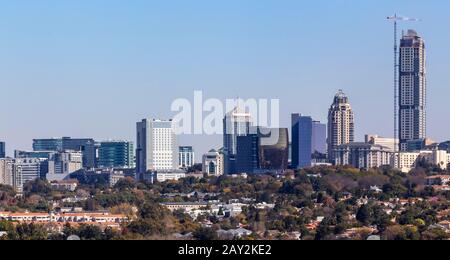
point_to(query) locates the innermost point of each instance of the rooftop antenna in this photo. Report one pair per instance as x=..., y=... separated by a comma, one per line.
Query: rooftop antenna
x=396, y=19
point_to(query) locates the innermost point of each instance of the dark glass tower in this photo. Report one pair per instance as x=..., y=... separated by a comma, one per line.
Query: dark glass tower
x=308, y=141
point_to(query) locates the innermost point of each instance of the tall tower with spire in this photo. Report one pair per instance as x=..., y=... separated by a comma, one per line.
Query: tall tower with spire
x=341, y=124
x=412, y=89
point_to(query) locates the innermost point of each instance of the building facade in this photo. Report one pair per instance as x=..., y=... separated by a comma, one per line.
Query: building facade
x=419, y=144
x=6, y=171
x=341, y=124
x=406, y=161
x=65, y=163
x=2, y=149
x=156, y=146
x=412, y=89
x=213, y=163
x=25, y=170
x=173, y=175
x=389, y=143
x=274, y=149
x=116, y=154
x=54, y=163
x=363, y=155
x=308, y=141
x=247, y=154
x=186, y=157
x=236, y=123
x=85, y=145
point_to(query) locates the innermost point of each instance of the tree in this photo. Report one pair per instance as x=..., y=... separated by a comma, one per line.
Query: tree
x=205, y=234
x=364, y=215
x=395, y=233
x=28, y=232
x=37, y=187
x=324, y=230
x=89, y=232
x=125, y=184
x=435, y=234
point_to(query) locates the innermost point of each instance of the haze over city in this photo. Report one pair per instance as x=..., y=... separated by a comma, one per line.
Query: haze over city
x=95, y=68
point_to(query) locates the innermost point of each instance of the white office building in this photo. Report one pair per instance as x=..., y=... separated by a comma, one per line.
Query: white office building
x=186, y=157
x=174, y=175
x=213, y=163
x=389, y=143
x=406, y=161
x=156, y=146
x=363, y=155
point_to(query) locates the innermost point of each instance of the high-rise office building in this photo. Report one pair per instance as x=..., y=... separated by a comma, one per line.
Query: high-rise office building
x=6, y=171
x=247, y=154
x=25, y=170
x=236, y=123
x=84, y=145
x=412, y=89
x=54, y=164
x=64, y=163
x=341, y=124
x=308, y=141
x=319, y=138
x=2, y=150
x=274, y=149
x=156, y=146
x=186, y=157
x=51, y=144
x=116, y=154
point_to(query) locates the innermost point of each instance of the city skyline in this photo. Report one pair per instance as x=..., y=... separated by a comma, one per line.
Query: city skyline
x=262, y=59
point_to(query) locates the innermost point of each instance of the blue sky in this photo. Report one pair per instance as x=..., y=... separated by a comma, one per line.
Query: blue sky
x=92, y=68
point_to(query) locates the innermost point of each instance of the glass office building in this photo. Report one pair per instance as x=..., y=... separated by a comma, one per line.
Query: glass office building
x=84, y=145
x=116, y=154
x=2, y=150
x=274, y=149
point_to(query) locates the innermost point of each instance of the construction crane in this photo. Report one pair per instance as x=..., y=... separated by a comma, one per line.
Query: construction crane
x=396, y=19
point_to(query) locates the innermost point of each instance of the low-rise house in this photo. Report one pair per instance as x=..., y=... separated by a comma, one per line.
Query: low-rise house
x=186, y=206
x=65, y=185
x=438, y=180
x=64, y=217
x=233, y=233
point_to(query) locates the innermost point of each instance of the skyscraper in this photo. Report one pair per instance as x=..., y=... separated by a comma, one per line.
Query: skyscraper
x=156, y=146
x=412, y=89
x=319, y=138
x=236, y=123
x=116, y=154
x=301, y=141
x=308, y=141
x=2, y=150
x=247, y=154
x=274, y=149
x=341, y=124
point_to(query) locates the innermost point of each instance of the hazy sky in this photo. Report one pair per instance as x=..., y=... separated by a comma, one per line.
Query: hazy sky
x=92, y=68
